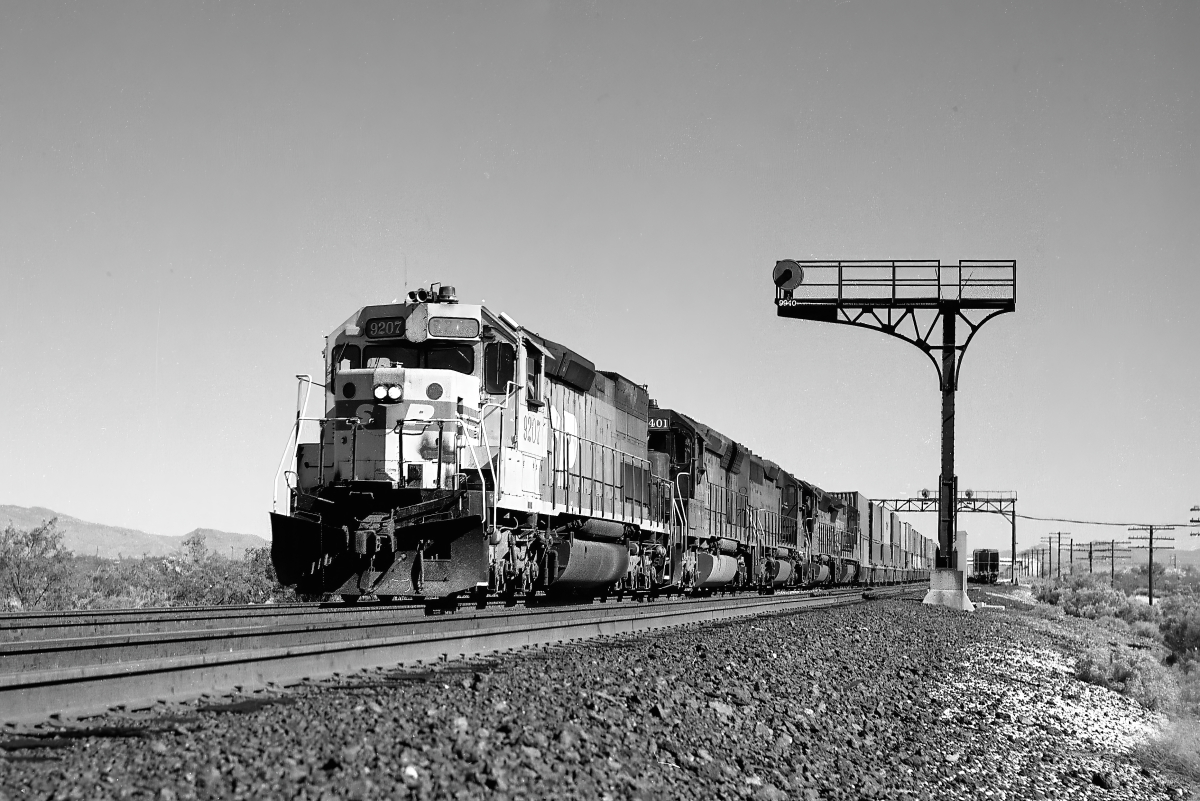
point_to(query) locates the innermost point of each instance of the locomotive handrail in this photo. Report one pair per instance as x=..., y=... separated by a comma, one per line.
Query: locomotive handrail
x=293, y=436
x=638, y=508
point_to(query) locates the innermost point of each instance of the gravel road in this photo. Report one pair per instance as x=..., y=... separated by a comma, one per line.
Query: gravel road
x=887, y=699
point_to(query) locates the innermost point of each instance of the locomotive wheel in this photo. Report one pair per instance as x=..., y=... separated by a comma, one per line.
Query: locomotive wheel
x=349, y=599
x=386, y=599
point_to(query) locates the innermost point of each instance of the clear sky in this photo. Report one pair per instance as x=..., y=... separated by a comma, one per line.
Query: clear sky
x=192, y=195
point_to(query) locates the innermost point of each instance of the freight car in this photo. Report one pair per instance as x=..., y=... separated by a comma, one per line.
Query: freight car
x=985, y=565
x=460, y=453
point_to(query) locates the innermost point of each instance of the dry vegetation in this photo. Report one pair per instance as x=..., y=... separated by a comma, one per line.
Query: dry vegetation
x=1159, y=663
x=38, y=573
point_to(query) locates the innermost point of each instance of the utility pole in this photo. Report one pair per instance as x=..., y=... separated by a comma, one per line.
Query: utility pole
x=1071, y=569
x=1089, y=558
x=1150, y=546
x=1049, y=540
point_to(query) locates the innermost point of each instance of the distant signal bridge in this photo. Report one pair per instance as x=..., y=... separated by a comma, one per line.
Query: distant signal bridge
x=1002, y=503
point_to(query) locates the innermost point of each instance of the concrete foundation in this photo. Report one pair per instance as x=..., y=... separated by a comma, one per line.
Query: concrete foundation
x=949, y=588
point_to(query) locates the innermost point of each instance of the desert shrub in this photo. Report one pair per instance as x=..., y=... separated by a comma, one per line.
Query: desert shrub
x=1090, y=596
x=1137, y=612
x=1144, y=628
x=121, y=584
x=1085, y=596
x=1181, y=627
x=1135, y=674
x=1048, y=592
x=34, y=568
x=200, y=577
x=1114, y=623
x=1176, y=748
x=37, y=572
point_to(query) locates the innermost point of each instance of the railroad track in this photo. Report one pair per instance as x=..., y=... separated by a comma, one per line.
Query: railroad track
x=86, y=663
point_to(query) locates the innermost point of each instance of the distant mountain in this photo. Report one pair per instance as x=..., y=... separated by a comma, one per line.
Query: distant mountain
x=96, y=539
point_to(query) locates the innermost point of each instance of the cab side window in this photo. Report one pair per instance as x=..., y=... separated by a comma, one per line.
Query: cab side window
x=533, y=374
x=499, y=367
x=345, y=357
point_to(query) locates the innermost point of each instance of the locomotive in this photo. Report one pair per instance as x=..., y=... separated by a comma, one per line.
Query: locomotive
x=462, y=454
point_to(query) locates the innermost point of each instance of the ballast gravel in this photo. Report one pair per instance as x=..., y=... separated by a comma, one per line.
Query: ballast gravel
x=886, y=699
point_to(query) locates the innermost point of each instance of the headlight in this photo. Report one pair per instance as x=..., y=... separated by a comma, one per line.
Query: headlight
x=381, y=392
x=393, y=393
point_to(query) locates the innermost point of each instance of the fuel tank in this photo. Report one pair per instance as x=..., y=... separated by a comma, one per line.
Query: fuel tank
x=583, y=565
x=783, y=572
x=713, y=570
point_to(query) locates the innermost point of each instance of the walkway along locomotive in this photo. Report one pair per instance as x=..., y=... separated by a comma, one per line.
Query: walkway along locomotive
x=461, y=453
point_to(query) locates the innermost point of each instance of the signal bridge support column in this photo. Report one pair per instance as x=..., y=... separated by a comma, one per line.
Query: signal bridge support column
x=911, y=300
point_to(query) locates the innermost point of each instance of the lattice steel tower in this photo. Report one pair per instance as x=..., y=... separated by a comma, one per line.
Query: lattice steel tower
x=921, y=302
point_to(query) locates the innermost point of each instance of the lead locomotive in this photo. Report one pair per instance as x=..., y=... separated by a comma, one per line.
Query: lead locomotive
x=460, y=453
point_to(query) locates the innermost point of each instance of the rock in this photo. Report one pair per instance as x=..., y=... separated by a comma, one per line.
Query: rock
x=836, y=703
x=1104, y=780
x=722, y=709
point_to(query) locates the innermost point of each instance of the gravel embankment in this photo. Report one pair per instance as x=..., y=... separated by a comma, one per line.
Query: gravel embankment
x=888, y=699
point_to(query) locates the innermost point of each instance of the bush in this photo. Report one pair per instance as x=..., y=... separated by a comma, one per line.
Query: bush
x=1177, y=749
x=34, y=567
x=1132, y=673
x=1048, y=592
x=1083, y=597
x=37, y=572
x=1181, y=627
x=1090, y=596
x=1144, y=628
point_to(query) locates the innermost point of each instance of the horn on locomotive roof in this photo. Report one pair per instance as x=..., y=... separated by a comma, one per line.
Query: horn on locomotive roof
x=437, y=292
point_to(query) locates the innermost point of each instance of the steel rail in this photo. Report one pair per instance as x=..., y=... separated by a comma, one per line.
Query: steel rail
x=90, y=675
x=51, y=626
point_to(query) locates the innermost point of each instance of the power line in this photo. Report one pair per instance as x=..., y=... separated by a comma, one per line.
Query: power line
x=1094, y=522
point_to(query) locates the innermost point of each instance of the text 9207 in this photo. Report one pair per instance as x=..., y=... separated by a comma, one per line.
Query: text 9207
x=385, y=328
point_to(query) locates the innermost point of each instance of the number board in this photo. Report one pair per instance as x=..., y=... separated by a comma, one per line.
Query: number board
x=659, y=424
x=385, y=328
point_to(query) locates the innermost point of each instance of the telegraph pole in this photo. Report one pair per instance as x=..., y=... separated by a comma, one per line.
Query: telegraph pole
x=1049, y=540
x=1150, y=546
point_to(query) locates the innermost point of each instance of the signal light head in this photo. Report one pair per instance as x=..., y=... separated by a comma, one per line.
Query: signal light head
x=788, y=274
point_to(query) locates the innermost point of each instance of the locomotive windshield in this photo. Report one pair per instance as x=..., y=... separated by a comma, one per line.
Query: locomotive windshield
x=432, y=356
